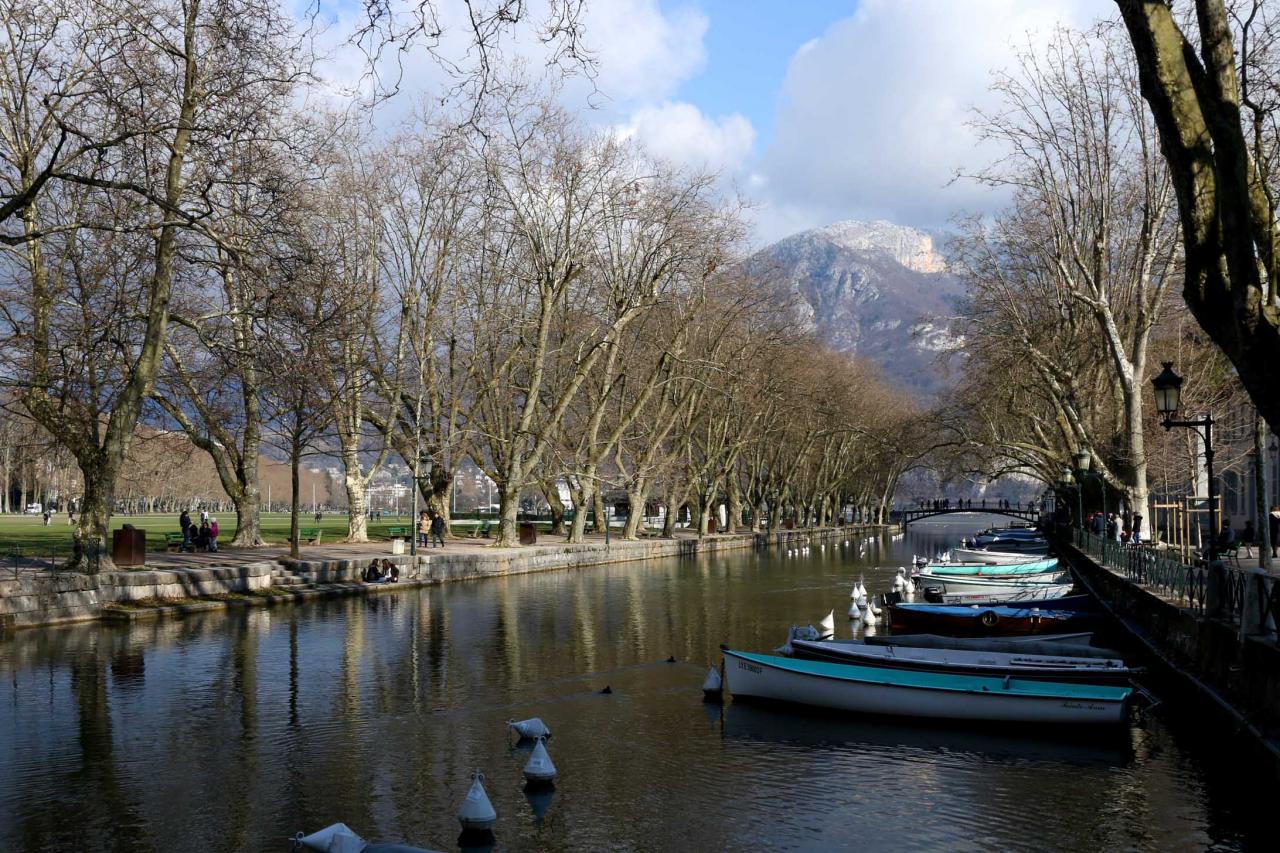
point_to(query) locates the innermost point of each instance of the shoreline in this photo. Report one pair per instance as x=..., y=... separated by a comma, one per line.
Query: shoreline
x=253, y=579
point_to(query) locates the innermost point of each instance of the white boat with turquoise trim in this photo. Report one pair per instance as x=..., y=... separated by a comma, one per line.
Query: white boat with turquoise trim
x=906, y=693
x=994, y=557
x=1002, y=583
x=1023, y=568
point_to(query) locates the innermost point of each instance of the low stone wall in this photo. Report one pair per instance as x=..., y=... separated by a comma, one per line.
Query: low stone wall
x=1236, y=673
x=37, y=598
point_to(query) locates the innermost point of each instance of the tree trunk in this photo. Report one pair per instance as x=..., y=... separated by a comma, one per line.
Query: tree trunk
x=1261, y=465
x=598, y=516
x=554, y=506
x=92, y=551
x=508, y=513
x=357, y=523
x=440, y=500
x=635, y=510
x=669, y=520
x=579, y=496
x=295, y=483
x=733, y=516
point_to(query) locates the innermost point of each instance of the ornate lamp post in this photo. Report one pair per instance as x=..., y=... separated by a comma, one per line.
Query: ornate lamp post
x=1083, y=461
x=1168, y=388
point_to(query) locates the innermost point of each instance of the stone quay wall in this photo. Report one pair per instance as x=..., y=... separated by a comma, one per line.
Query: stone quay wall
x=38, y=598
x=1235, y=675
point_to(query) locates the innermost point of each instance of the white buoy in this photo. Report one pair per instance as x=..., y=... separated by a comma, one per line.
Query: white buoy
x=531, y=728
x=712, y=686
x=477, y=813
x=827, y=627
x=338, y=837
x=855, y=612
x=539, y=769
x=861, y=592
x=872, y=610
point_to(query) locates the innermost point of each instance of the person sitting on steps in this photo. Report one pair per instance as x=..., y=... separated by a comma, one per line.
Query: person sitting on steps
x=371, y=574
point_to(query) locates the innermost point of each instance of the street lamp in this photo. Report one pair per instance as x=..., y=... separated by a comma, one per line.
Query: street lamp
x=1168, y=388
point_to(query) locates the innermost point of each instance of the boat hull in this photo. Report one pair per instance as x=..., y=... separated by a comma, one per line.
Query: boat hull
x=1019, y=665
x=1025, y=567
x=983, y=621
x=972, y=584
x=993, y=558
x=869, y=690
x=1041, y=592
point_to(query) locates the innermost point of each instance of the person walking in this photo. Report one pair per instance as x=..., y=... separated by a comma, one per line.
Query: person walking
x=424, y=528
x=184, y=521
x=1273, y=527
x=437, y=530
x=213, y=534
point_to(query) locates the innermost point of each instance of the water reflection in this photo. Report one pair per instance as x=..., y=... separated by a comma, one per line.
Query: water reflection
x=233, y=731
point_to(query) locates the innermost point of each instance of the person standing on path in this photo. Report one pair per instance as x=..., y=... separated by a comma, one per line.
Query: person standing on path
x=424, y=528
x=213, y=534
x=437, y=530
x=184, y=521
x=1273, y=527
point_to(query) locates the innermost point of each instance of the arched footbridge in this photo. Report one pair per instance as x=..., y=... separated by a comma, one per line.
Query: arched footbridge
x=909, y=515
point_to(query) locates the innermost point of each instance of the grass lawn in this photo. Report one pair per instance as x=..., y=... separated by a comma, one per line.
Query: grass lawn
x=28, y=535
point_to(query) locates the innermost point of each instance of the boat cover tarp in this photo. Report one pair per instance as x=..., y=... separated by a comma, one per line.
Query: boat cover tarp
x=983, y=644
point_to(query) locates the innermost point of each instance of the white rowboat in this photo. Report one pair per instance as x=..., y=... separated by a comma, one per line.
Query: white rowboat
x=874, y=690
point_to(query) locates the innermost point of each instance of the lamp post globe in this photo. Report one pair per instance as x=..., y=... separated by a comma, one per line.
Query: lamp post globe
x=1082, y=459
x=1168, y=387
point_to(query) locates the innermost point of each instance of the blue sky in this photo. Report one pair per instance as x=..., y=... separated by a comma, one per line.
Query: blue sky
x=749, y=46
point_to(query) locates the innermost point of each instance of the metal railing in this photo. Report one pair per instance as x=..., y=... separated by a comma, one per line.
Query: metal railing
x=1159, y=571
x=1192, y=586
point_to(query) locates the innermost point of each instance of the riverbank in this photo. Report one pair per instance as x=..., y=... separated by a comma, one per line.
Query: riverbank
x=1230, y=674
x=176, y=584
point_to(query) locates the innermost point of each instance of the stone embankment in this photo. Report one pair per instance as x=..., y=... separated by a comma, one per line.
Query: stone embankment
x=247, y=579
x=1231, y=669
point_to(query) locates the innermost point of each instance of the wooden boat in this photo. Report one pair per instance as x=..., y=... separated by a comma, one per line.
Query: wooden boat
x=1052, y=592
x=1075, y=645
x=968, y=583
x=1026, y=567
x=1056, y=667
x=909, y=693
x=993, y=557
x=984, y=621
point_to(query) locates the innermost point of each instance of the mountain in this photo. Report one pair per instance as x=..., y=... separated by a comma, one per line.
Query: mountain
x=872, y=288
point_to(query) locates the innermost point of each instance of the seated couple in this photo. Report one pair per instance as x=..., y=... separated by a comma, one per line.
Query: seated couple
x=388, y=572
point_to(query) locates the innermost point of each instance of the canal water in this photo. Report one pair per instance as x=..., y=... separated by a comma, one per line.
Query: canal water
x=231, y=732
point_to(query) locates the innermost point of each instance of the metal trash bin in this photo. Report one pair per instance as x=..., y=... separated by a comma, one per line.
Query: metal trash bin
x=528, y=533
x=129, y=547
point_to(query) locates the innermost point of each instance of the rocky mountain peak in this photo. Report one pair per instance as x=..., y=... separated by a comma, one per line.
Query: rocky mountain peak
x=909, y=247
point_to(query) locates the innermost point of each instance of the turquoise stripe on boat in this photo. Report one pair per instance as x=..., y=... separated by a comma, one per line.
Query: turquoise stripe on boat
x=1032, y=568
x=940, y=680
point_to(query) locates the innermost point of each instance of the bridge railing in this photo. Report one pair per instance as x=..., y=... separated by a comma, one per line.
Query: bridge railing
x=1250, y=599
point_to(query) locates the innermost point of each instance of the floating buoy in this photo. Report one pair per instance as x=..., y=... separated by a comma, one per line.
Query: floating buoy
x=855, y=612
x=607, y=691
x=539, y=770
x=531, y=728
x=872, y=611
x=477, y=813
x=827, y=627
x=339, y=836
x=712, y=687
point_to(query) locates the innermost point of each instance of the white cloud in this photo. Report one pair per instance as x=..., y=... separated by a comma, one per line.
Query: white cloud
x=680, y=133
x=643, y=53
x=872, y=122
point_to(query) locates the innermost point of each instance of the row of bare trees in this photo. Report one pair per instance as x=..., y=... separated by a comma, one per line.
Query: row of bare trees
x=195, y=242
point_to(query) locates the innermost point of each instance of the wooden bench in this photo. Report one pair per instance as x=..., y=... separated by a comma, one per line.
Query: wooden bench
x=310, y=534
x=399, y=532
x=173, y=540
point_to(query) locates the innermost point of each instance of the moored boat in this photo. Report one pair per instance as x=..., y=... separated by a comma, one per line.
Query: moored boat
x=1038, y=667
x=1026, y=567
x=1052, y=592
x=993, y=557
x=877, y=690
x=984, y=621
x=969, y=583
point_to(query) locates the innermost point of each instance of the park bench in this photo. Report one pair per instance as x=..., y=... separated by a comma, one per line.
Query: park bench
x=310, y=534
x=481, y=530
x=1231, y=552
x=399, y=532
x=172, y=541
